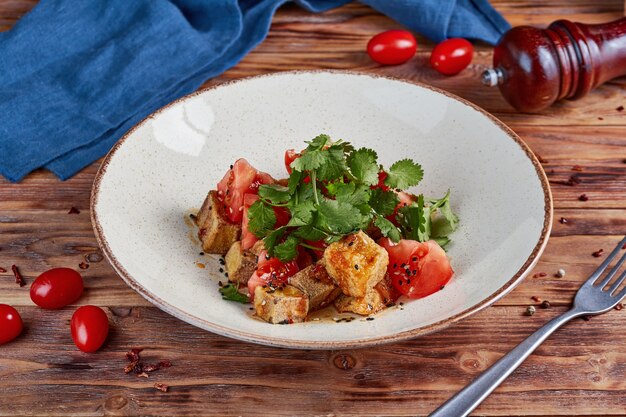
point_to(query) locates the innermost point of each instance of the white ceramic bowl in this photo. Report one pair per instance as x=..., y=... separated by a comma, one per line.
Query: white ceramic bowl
x=165, y=166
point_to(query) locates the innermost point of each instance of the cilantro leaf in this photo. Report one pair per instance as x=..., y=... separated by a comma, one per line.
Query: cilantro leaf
x=415, y=221
x=270, y=240
x=261, y=218
x=339, y=218
x=294, y=180
x=230, y=293
x=334, y=165
x=404, y=174
x=287, y=250
x=275, y=193
x=302, y=214
x=387, y=228
x=318, y=142
x=383, y=202
x=443, y=204
x=363, y=165
x=310, y=233
x=308, y=161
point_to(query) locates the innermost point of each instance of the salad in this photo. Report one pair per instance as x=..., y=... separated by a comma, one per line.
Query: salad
x=339, y=231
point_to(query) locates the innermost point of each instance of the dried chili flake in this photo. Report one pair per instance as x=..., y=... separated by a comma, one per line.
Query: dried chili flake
x=165, y=364
x=2, y=270
x=577, y=168
x=620, y=306
x=540, y=275
x=535, y=299
x=150, y=367
x=73, y=210
x=133, y=354
x=19, y=279
x=83, y=265
x=598, y=253
x=161, y=387
x=583, y=197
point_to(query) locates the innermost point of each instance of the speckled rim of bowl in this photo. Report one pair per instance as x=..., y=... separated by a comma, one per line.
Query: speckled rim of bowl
x=530, y=262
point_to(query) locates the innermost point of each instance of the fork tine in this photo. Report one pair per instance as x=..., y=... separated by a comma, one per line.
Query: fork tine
x=621, y=294
x=617, y=282
x=606, y=262
x=612, y=273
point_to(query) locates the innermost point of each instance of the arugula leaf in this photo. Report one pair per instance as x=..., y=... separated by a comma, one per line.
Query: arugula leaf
x=387, y=228
x=230, y=293
x=275, y=193
x=363, y=166
x=261, y=219
x=404, y=174
x=334, y=165
x=383, y=202
x=288, y=250
x=338, y=218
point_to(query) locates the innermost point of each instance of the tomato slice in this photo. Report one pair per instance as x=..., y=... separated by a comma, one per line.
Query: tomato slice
x=248, y=239
x=241, y=179
x=290, y=156
x=417, y=269
x=271, y=271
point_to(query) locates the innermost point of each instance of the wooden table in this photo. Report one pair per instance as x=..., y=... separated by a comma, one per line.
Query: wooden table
x=581, y=370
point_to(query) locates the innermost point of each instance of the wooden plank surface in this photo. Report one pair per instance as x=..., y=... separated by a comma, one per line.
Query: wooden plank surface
x=579, y=371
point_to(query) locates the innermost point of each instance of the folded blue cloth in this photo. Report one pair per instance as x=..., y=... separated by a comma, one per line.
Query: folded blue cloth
x=76, y=75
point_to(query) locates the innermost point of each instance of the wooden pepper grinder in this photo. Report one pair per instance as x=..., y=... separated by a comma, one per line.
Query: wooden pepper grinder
x=536, y=67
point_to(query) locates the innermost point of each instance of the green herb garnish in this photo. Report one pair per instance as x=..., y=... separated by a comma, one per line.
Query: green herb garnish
x=332, y=191
x=229, y=292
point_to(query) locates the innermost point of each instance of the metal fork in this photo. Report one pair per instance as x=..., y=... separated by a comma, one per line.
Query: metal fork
x=593, y=297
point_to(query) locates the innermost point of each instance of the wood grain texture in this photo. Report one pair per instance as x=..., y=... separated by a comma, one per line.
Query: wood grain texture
x=579, y=371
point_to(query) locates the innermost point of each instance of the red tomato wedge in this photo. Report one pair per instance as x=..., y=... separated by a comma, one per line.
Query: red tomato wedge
x=248, y=239
x=271, y=271
x=290, y=156
x=241, y=179
x=417, y=269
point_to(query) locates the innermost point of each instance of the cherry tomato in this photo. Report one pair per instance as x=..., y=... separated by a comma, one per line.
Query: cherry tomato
x=248, y=239
x=90, y=327
x=417, y=269
x=271, y=271
x=241, y=179
x=56, y=288
x=392, y=47
x=290, y=156
x=452, y=56
x=10, y=323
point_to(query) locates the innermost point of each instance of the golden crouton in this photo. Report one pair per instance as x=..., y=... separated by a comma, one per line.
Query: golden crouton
x=281, y=305
x=370, y=304
x=215, y=232
x=240, y=264
x=315, y=282
x=356, y=263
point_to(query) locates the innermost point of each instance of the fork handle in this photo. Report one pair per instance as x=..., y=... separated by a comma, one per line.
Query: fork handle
x=473, y=394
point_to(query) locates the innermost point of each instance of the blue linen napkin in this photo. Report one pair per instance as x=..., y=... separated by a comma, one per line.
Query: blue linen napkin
x=76, y=75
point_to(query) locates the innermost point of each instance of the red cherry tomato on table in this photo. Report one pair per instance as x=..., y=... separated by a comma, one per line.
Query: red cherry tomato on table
x=392, y=47
x=90, y=327
x=10, y=323
x=417, y=269
x=56, y=288
x=452, y=56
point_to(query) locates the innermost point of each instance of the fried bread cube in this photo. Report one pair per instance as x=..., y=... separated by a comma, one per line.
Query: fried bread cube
x=281, y=305
x=356, y=263
x=315, y=282
x=215, y=232
x=240, y=264
x=370, y=304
